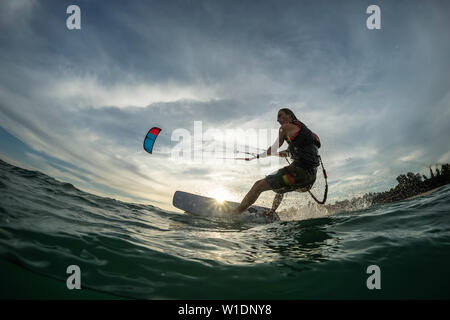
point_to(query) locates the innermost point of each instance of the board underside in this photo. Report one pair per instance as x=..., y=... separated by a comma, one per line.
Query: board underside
x=204, y=206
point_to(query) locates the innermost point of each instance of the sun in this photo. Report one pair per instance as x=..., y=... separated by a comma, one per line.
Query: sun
x=220, y=195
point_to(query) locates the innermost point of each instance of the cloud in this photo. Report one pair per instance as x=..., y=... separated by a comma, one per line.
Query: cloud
x=89, y=91
x=445, y=158
x=412, y=156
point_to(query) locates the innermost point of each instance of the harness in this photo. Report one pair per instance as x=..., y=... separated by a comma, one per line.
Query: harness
x=308, y=188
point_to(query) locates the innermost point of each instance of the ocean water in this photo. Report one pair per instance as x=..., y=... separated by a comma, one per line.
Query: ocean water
x=135, y=251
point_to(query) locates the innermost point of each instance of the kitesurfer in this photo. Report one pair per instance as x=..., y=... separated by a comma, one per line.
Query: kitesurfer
x=300, y=175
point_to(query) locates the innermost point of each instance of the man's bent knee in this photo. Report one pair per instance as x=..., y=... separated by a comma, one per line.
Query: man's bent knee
x=261, y=185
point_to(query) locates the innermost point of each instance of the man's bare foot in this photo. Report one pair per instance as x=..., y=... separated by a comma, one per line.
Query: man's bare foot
x=269, y=214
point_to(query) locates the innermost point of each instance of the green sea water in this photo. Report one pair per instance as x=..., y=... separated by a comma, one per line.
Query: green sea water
x=135, y=251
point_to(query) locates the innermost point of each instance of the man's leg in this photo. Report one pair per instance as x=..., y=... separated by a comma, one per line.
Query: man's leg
x=252, y=195
x=276, y=203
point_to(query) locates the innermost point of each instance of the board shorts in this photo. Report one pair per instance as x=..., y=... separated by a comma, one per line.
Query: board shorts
x=291, y=178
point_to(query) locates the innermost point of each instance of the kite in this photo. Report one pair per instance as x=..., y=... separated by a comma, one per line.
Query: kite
x=150, y=138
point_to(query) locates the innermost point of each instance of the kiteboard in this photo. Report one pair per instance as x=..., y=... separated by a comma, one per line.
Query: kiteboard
x=210, y=207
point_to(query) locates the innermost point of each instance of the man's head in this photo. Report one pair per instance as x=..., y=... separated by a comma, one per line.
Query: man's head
x=286, y=115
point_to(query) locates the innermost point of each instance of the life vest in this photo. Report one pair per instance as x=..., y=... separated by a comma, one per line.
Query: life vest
x=304, y=146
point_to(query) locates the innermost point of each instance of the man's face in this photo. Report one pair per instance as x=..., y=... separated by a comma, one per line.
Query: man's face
x=283, y=118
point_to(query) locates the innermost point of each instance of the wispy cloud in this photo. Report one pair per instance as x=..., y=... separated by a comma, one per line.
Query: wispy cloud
x=89, y=91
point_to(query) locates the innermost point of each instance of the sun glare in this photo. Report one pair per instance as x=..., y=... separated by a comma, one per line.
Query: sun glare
x=220, y=195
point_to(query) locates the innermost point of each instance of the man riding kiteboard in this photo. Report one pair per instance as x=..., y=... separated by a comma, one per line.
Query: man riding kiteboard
x=299, y=175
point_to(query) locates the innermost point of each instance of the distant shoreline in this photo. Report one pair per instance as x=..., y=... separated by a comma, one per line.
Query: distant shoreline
x=424, y=193
x=409, y=186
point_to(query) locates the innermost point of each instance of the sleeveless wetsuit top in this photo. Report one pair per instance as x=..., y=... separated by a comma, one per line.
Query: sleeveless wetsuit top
x=304, y=146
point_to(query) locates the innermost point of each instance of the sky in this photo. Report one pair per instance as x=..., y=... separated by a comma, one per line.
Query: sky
x=76, y=104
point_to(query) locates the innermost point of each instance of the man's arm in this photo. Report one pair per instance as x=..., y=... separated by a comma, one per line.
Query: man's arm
x=278, y=143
